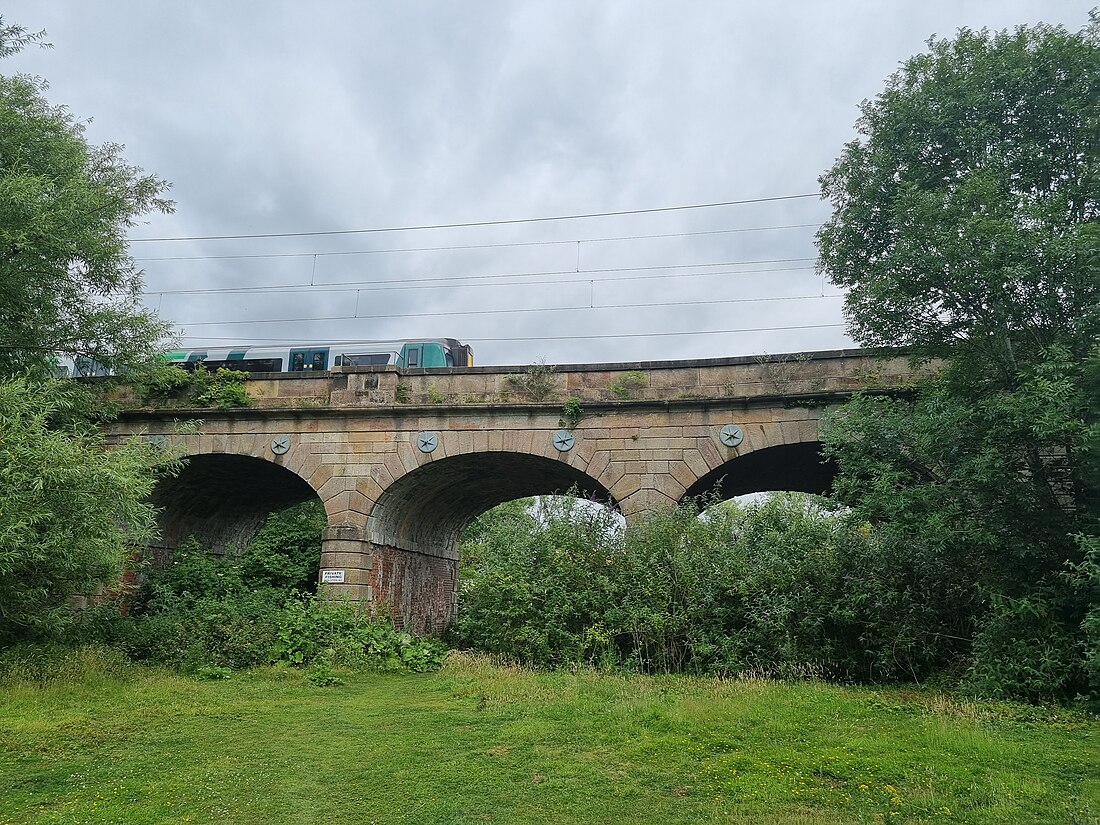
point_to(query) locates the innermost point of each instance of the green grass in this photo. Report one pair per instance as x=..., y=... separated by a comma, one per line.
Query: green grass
x=479, y=743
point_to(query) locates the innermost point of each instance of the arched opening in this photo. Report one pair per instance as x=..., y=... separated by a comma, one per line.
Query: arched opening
x=222, y=500
x=426, y=510
x=787, y=467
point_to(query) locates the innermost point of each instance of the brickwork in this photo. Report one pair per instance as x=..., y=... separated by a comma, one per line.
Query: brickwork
x=648, y=435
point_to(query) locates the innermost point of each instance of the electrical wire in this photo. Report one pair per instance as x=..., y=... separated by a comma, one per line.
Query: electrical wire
x=478, y=223
x=452, y=280
x=455, y=313
x=568, y=242
x=546, y=337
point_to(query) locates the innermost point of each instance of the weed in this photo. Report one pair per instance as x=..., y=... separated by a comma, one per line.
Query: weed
x=401, y=393
x=160, y=383
x=627, y=384
x=223, y=388
x=570, y=413
x=434, y=395
x=536, y=383
x=211, y=673
x=781, y=371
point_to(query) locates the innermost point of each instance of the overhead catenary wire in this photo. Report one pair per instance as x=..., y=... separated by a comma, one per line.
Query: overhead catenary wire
x=468, y=247
x=453, y=280
x=470, y=224
x=433, y=284
x=536, y=277
x=514, y=311
x=496, y=340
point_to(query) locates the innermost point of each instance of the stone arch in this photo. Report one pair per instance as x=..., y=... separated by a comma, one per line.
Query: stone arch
x=223, y=498
x=425, y=509
x=797, y=467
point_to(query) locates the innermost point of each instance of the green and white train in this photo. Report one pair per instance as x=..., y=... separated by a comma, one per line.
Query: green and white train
x=424, y=353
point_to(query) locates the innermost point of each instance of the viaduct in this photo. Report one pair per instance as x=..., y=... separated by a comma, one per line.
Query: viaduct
x=404, y=459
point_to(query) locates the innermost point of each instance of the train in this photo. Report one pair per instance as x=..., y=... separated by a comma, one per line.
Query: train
x=423, y=353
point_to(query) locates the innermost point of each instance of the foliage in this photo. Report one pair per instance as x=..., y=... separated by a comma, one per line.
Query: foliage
x=536, y=383
x=401, y=393
x=160, y=381
x=14, y=38
x=434, y=395
x=71, y=509
x=967, y=217
x=223, y=388
x=570, y=413
x=542, y=583
x=68, y=281
x=624, y=386
x=965, y=228
x=211, y=615
x=1084, y=577
x=481, y=535
x=786, y=586
x=286, y=552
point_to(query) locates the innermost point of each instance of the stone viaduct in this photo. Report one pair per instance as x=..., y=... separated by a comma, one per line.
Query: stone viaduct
x=404, y=459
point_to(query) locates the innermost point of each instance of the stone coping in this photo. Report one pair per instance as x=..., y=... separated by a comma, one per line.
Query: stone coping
x=815, y=399
x=618, y=366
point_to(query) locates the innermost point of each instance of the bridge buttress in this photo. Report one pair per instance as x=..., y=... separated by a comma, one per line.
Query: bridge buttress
x=418, y=591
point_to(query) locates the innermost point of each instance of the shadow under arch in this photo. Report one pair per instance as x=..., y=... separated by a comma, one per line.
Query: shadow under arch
x=426, y=510
x=792, y=467
x=223, y=499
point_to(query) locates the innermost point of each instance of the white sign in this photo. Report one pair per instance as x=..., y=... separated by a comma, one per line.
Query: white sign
x=332, y=577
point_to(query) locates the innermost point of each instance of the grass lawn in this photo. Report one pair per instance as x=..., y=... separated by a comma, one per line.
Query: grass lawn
x=479, y=743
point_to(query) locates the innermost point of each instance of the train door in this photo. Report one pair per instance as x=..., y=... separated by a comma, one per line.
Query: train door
x=414, y=355
x=309, y=360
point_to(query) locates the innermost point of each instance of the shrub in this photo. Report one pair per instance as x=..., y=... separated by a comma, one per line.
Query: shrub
x=223, y=388
x=787, y=586
x=286, y=552
x=1024, y=650
x=204, y=613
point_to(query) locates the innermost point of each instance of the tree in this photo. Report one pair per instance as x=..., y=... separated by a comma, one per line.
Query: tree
x=68, y=281
x=71, y=511
x=966, y=220
x=966, y=228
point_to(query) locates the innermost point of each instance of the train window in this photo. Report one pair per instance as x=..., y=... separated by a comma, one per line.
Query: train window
x=248, y=364
x=318, y=360
x=299, y=362
x=370, y=360
x=413, y=357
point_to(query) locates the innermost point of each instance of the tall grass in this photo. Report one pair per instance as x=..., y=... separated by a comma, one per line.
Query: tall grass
x=479, y=742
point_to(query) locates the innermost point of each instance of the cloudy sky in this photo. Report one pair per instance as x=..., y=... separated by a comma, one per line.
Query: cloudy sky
x=293, y=120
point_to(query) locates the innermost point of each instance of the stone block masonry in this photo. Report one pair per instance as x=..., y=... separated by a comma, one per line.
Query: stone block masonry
x=400, y=480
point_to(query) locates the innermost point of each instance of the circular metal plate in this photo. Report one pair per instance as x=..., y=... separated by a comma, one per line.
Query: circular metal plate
x=427, y=442
x=731, y=435
x=280, y=444
x=563, y=440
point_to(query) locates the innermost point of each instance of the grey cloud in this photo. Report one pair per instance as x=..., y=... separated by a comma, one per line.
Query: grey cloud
x=282, y=117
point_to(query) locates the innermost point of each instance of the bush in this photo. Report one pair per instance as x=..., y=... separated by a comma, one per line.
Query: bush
x=204, y=613
x=1025, y=651
x=784, y=587
x=540, y=584
x=55, y=662
x=223, y=388
x=286, y=553
x=737, y=590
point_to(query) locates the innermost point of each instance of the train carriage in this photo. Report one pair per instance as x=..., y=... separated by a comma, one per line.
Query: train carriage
x=425, y=353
